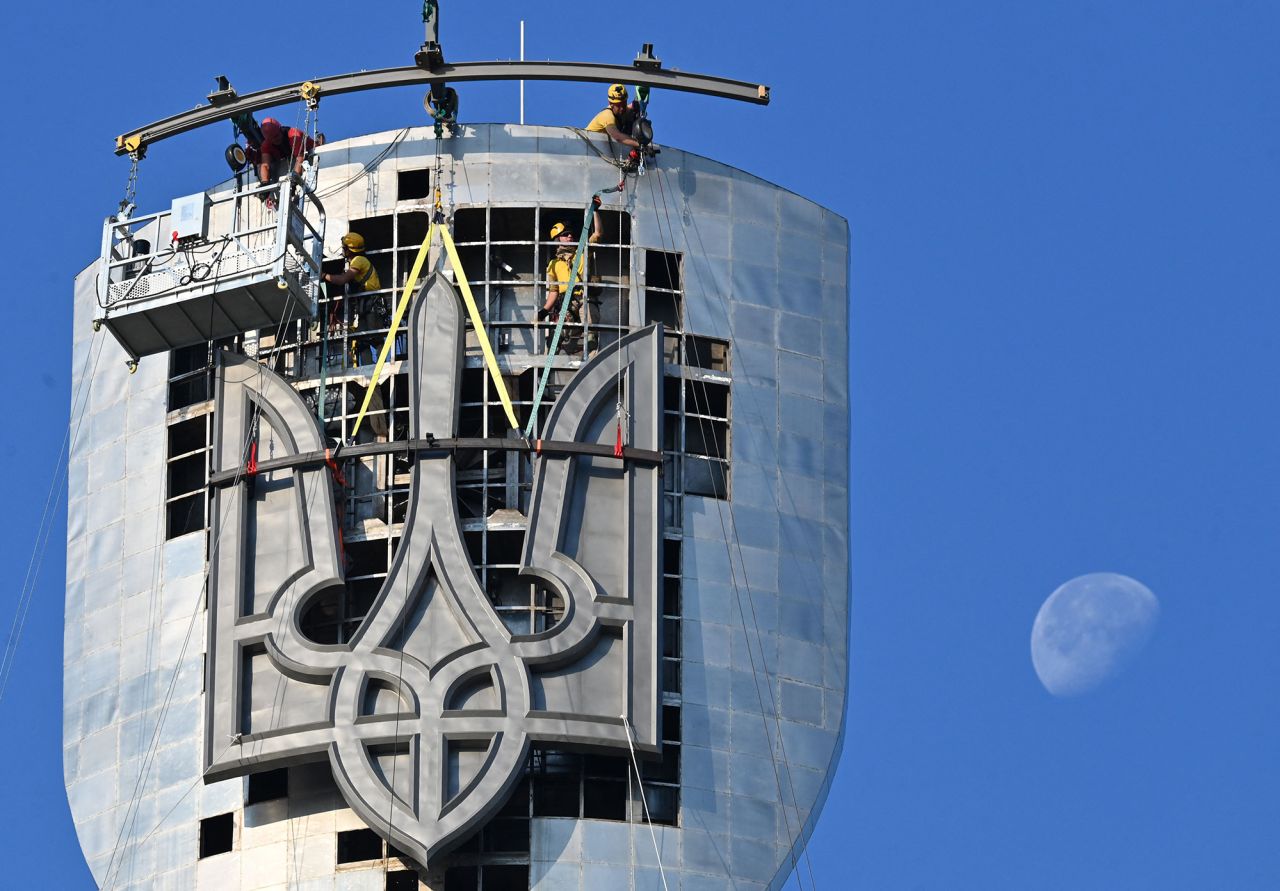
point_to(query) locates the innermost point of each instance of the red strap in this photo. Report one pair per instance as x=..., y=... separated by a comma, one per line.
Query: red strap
x=617, y=446
x=251, y=469
x=333, y=468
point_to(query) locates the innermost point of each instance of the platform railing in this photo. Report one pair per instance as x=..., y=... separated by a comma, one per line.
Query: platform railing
x=276, y=228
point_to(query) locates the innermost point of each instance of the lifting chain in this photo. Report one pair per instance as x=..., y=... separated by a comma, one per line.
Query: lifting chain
x=438, y=214
x=128, y=202
x=311, y=132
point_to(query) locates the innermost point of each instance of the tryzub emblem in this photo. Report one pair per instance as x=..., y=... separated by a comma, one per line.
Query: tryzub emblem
x=426, y=714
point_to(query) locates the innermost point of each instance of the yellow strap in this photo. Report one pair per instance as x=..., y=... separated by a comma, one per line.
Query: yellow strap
x=472, y=310
x=478, y=324
x=409, y=287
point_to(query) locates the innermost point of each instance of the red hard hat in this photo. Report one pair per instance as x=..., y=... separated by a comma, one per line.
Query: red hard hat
x=270, y=127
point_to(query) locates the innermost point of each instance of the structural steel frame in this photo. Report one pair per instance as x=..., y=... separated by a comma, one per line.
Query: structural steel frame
x=225, y=103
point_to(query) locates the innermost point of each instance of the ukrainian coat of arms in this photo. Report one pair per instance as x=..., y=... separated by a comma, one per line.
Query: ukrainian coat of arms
x=426, y=713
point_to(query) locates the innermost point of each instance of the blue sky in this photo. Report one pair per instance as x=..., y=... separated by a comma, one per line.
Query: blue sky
x=1065, y=232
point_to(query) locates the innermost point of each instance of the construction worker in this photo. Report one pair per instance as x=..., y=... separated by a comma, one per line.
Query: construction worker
x=559, y=273
x=618, y=119
x=280, y=146
x=358, y=278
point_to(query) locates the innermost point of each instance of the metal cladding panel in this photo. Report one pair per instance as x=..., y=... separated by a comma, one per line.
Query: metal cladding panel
x=764, y=574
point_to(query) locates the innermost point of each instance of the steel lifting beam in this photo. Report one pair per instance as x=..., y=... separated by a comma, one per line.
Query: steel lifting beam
x=442, y=448
x=226, y=103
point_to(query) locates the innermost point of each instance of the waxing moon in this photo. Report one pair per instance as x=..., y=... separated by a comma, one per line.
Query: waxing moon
x=1089, y=629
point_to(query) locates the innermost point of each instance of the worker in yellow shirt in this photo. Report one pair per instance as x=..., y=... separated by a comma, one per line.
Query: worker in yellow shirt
x=618, y=119
x=359, y=277
x=559, y=273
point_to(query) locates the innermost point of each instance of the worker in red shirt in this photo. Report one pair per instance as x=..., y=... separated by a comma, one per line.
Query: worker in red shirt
x=279, y=146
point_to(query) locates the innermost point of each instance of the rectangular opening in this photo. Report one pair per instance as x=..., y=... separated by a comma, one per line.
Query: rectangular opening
x=706, y=398
x=188, y=391
x=378, y=232
x=670, y=724
x=412, y=184
x=556, y=797
x=661, y=306
x=507, y=836
x=706, y=352
x=356, y=845
x=188, y=436
x=515, y=224
x=504, y=878
x=462, y=878
x=671, y=597
x=267, y=786
x=187, y=475
x=604, y=800
x=664, y=804
x=217, y=835
x=615, y=227
x=468, y=225
x=366, y=558
x=705, y=436
x=184, y=515
x=557, y=780
x=671, y=676
x=188, y=359
x=671, y=556
x=518, y=803
x=706, y=477
x=402, y=880
x=662, y=270
x=671, y=638
x=665, y=770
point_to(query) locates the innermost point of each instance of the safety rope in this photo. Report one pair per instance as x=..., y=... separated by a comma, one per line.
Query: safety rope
x=324, y=353
x=620, y=408
x=565, y=299
x=662, y=873
x=612, y=160
x=57, y=489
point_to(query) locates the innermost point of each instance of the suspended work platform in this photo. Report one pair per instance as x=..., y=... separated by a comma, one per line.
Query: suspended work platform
x=211, y=267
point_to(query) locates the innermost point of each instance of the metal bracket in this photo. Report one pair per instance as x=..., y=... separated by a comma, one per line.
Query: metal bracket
x=225, y=94
x=430, y=57
x=645, y=60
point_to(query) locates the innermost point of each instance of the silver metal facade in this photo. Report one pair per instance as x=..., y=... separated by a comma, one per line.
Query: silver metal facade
x=764, y=573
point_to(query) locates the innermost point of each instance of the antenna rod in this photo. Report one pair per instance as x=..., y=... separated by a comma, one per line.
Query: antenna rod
x=522, y=80
x=431, y=18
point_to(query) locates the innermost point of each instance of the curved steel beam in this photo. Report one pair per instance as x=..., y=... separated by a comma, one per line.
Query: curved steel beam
x=442, y=448
x=224, y=103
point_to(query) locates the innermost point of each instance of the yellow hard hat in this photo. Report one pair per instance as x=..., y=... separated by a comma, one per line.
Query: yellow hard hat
x=559, y=229
x=353, y=241
x=617, y=93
